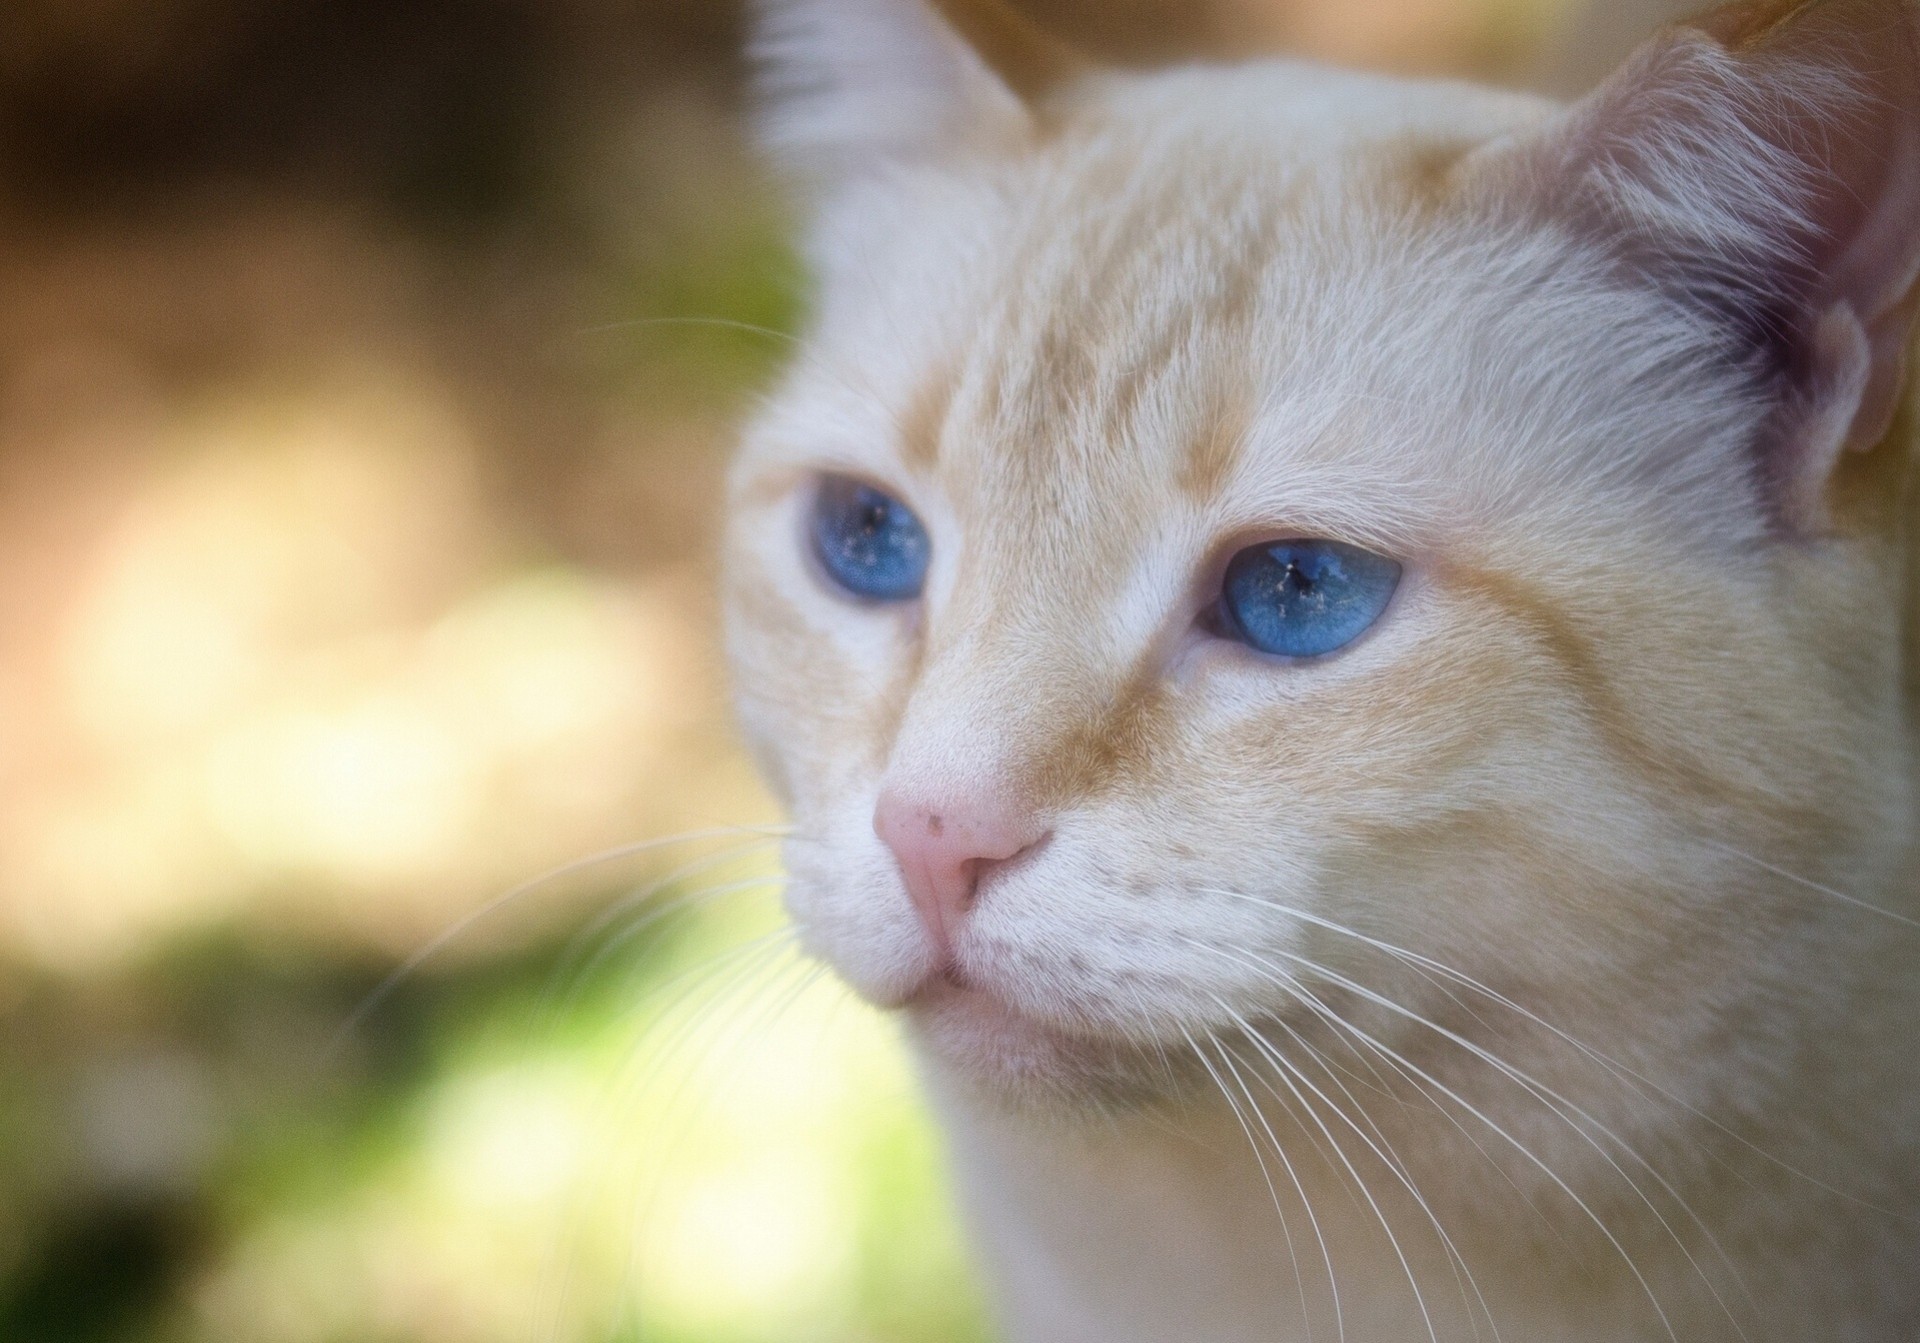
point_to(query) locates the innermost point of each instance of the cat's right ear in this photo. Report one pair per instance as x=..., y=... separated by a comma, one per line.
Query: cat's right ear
x=1762, y=166
x=851, y=87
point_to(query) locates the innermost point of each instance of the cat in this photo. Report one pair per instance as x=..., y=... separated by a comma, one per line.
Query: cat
x=1343, y=652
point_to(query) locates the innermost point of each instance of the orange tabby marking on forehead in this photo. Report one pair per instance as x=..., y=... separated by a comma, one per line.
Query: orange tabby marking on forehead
x=924, y=421
x=1092, y=355
x=1213, y=452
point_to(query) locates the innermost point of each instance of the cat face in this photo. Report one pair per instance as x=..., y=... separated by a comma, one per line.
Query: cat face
x=1061, y=800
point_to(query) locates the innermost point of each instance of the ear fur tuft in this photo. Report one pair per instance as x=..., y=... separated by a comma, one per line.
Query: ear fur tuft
x=851, y=85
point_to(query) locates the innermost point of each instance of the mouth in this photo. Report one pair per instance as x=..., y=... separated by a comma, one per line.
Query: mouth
x=978, y=1034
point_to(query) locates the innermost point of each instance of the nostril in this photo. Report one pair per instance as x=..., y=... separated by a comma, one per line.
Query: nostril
x=987, y=864
x=971, y=872
x=977, y=870
x=944, y=852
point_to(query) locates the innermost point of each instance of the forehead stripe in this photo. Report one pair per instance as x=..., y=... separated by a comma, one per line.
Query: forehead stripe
x=923, y=422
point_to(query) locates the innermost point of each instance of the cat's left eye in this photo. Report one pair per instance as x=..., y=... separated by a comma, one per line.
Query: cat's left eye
x=1304, y=598
x=867, y=541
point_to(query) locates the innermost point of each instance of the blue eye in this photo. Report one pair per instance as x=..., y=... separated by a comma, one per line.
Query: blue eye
x=869, y=542
x=1301, y=599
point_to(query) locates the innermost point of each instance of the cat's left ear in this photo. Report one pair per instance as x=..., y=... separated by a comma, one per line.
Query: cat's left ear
x=1762, y=164
x=850, y=87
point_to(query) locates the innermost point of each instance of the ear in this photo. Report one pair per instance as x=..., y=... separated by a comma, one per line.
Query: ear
x=1763, y=166
x=849, y=86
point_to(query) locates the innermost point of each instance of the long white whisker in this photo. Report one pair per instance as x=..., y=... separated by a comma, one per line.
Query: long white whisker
x=466, y=922
x=1563, y=1108
x=618, y=908
x=558, y=998
x=721, y=323
x=1326, y=1014
x=739, y=964
x=1524, y=1151
x=1811, y=885
x=729, y=1031
x=1352, y=1171
x=1382, y=1147
x=1625, y=1073
x=583, y=973
x=1293, y=1256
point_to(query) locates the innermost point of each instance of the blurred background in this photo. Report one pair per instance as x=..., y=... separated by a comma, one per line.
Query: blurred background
x=367, y=369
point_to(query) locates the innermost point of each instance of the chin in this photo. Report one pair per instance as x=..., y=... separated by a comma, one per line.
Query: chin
x=1018, y=1061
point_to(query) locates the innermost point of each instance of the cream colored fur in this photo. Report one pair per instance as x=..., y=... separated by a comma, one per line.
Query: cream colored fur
x=1545, y=965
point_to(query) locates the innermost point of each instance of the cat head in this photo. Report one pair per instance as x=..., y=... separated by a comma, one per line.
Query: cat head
x=1222, y=520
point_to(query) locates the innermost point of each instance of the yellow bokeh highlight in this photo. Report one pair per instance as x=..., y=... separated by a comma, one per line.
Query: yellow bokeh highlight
x=701, y=1168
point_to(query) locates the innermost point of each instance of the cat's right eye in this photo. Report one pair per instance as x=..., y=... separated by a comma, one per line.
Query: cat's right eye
x=1304, y=598
x=867, y=541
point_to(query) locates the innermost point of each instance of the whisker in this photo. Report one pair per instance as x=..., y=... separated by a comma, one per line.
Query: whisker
x=1285, y=1231
x=1811, y=885
x=1279, y=1150
x=727, y=1020
x=1326, y=1014
x=1519, y=1147
x=720, y=323
x=1645, y=1085
x=1406, y=1265
x=621, y=905
x=577, y=976
x=1562, y=1107
x=1540, y=1092
x=1385, y=1150
x=721, y=973
x=461, y=926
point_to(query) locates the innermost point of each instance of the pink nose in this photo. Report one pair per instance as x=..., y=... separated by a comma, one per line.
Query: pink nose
x=943, y=851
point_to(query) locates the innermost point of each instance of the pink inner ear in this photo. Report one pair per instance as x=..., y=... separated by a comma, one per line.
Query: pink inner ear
x=1765, y=164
